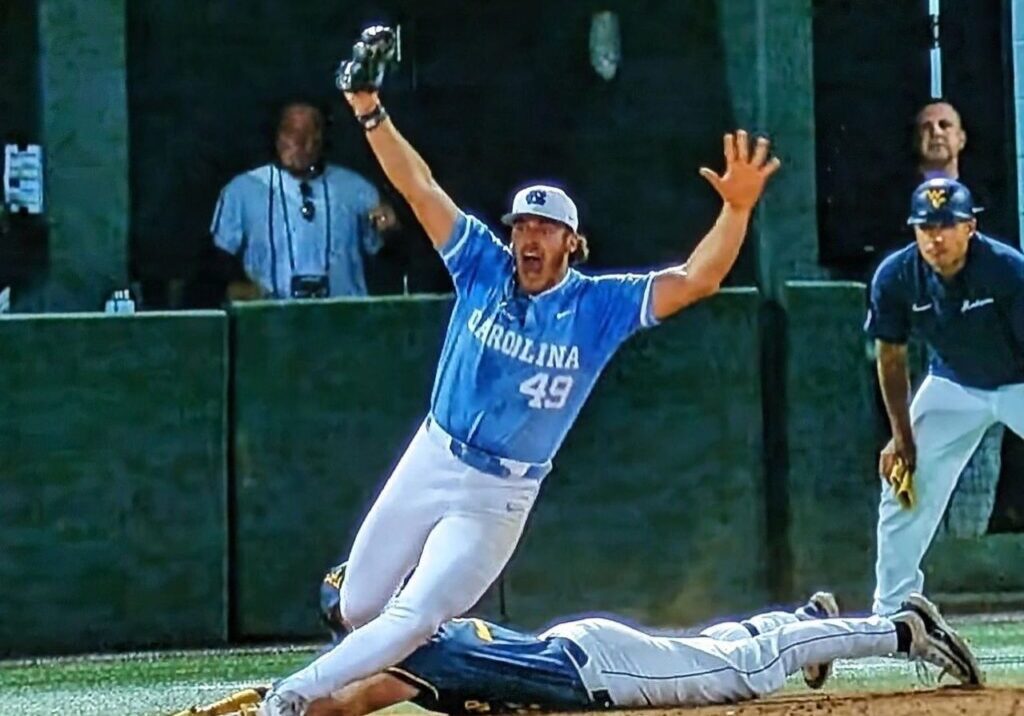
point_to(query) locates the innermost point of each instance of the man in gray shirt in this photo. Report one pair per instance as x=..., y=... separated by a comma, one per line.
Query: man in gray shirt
x=300, y=227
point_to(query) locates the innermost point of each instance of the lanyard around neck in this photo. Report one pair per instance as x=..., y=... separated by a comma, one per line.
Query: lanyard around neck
x=288, y=227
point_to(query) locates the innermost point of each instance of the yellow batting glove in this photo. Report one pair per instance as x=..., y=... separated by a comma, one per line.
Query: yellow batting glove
x=902, y=481
x=240, y=703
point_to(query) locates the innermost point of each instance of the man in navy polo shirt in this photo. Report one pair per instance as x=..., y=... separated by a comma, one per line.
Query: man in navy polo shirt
x=962, y=293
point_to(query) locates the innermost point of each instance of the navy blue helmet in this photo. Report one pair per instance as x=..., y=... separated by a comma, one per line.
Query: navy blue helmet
x=330, y=602
x=941, y=202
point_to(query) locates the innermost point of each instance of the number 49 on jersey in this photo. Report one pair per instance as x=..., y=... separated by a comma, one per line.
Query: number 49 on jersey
x=547, y=391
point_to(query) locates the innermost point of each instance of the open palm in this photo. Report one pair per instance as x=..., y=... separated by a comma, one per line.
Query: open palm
x=745, y=172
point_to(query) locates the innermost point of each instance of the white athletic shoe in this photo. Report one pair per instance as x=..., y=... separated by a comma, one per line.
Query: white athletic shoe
x=282, y=703
x=821, y=605
x=934, y=641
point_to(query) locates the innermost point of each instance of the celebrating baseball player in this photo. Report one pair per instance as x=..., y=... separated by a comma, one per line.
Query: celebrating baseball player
x=473, y=666
x=527, y=339
x=962, y=293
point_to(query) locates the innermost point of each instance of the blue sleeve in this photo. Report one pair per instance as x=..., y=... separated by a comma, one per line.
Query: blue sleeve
x=473, y=254
x=1017, y=318
x=369, y=199
x=1016, y=306
x=625, y=303
x=888, y=313
x=227, y=226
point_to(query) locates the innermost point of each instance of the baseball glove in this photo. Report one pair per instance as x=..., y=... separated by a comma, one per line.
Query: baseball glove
x=371, y=56
x=902, y=481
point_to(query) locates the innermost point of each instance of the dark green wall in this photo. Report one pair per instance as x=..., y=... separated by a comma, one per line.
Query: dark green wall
x=770, y=75
x=832, y=438
x=834, y=430
x=662, y=476
x=979, y=573
x=117, y=509
x=326, y=395
x=84, y=120
x=113, y=513
x=656, y=507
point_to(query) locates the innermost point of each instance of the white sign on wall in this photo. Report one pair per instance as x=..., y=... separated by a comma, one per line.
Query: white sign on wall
x=23, y=178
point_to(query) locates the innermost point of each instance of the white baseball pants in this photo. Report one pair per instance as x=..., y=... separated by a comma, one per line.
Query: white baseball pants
x=451, y=525
x=724, y=664
x=948, y=421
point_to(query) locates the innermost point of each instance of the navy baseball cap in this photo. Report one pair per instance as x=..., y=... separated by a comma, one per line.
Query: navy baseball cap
x=941, y=202
x=330, y=602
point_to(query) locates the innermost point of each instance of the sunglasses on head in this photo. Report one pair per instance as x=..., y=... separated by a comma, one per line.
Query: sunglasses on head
x=308, y=207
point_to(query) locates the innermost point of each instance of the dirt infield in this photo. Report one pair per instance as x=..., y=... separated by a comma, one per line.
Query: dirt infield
x=948, y=701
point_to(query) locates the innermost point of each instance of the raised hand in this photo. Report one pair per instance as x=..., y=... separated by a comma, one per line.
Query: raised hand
x=371, y=56
x=745, y=173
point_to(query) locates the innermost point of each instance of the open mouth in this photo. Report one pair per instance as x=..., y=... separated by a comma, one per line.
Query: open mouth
x=531, y=262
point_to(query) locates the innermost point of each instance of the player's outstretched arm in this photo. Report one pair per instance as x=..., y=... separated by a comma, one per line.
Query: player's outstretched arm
x=364, y=697
x=407, y=171
x=740, y=187
x=894, y=379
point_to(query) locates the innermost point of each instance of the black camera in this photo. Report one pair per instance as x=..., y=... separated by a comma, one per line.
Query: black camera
x=311, y=286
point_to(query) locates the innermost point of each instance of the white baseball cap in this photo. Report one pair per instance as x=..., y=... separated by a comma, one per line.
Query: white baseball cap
x=549, y=202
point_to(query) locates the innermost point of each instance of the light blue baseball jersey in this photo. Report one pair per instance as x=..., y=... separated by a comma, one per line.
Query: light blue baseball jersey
x=516, y=369
x=259, y=219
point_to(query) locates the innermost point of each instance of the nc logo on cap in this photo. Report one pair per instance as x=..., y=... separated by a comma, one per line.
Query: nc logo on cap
x=537, y=197
x=545, y=201
x=937, y=197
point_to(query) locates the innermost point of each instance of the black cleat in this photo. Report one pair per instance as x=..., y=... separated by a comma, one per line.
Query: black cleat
x=934, y=641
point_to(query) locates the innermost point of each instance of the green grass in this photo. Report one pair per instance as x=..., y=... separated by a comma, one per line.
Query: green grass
x=152, y=683
x=160, y=683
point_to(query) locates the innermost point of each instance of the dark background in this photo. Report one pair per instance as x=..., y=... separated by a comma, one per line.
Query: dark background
x=22, y=239
x=494, y=95
x=872, y=74
x=499, y=94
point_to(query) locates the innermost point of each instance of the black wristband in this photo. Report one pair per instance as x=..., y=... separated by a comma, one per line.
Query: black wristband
x=372, y=119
